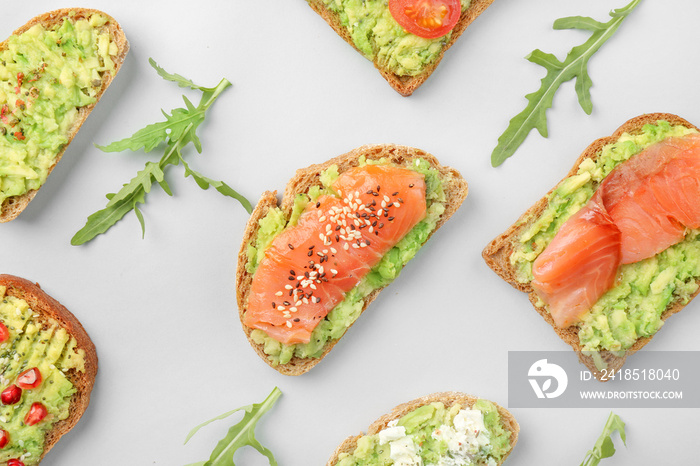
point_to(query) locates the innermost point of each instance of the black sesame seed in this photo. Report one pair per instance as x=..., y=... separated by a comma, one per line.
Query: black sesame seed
x=411, y=185
x=395, y=194
x=290, y=246
x=318, y=204
x=391, y=219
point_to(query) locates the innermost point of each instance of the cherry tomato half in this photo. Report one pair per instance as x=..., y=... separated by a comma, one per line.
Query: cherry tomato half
x=4, y=333
x=426, y=18
x=14, y=462
x=4, y=438
x=36, y=413
x=31, y=378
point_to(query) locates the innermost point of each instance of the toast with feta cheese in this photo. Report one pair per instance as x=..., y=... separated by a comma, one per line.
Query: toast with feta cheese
x=45, y=312
x=12, y=206
x=403, y=84
x=448, y=399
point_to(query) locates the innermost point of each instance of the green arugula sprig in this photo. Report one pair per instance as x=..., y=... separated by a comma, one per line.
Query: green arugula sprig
x=558, y=72
x=240, y=435
x=604, y=447
x=177, y=131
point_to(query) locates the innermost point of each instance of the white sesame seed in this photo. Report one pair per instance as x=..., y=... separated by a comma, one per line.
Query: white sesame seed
x=345, y=246
x=322, y=218
x=289, y=324
x=396, y=204
x=386, y=198
x=312, y=286
x=279, y=293
x=354, y=245
x=363, y=245
x=280, y=308
x=298, y=303
x=293, y=309
x=288, y=287
x=334, y=272
x=334, y=250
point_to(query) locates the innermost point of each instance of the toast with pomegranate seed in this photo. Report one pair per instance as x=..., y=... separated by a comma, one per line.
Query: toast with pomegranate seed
x=48, y=366
x=432, y=419
x=605, y=336
x=400, y=71
x=310, y=266
x=32, y=84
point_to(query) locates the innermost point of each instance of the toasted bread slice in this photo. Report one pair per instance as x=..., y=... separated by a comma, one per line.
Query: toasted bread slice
x=46, y=312
x=448, y=399
x=404, y=85
x=497, y=254
x=13, y=206
x=454, y=186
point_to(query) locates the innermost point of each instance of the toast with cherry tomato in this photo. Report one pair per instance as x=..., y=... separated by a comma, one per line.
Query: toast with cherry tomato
x=48, y=366
x=405, y=39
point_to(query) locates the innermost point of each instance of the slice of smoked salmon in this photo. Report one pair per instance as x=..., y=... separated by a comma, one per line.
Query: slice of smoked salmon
x=309, y=267
x=641, y=208
x=585, y=251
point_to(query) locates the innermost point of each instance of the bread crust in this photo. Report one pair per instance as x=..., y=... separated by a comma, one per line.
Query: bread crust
x=13, y=206
x=448, y=399
x=47, y=307
x=497, y=253
x=404, y=85
x=455, y=188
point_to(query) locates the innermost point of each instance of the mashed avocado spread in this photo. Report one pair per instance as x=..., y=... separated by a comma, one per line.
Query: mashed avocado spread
x=342, y=316
x=643, y=290
x=40, y=344
x=380, y=38
x=45, y=77
x=433, y=435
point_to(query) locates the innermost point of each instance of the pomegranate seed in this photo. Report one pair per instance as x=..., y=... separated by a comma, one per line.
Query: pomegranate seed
x=36, y=413
x=14, y=462
x=4, y=438
x=4, y=333
x=11, y=395
x=29, y=379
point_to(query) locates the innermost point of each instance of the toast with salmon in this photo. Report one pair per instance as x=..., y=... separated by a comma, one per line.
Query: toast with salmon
x=608, y=254
x=404, y=81
x=34, y=83
x=500, y=424
x=344, y=229
x=48, y=366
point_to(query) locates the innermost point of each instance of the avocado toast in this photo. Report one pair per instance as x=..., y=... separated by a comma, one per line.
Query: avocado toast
x=65, y=61
x=445, y=190
x=404, y=59
x=432, y=428
x=644, y=293
x=48, y=366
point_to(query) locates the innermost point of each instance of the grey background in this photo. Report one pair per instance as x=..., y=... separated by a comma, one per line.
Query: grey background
x=162, y=310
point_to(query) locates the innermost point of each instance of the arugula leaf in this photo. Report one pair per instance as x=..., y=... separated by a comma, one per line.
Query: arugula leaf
x=240, y=435
x=604, y=447
x=176, y=78
x=558, y=72
x=178, y=130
